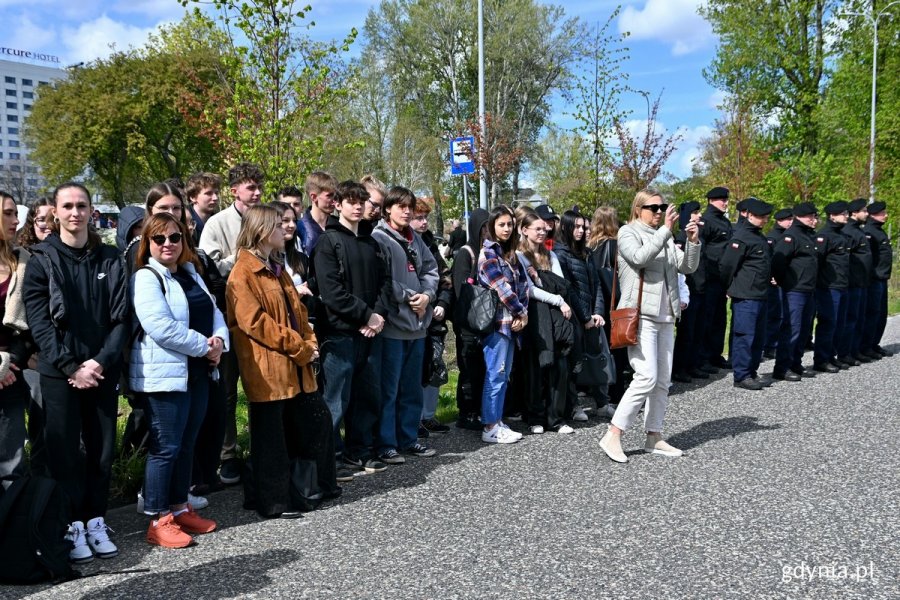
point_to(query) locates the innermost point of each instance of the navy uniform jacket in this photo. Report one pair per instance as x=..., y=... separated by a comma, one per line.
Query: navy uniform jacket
x=746, y=264
x=834, y=259
x=860, y=254
x=882, y=254
x=795, y=263
x=715, y=231
x=696, y=281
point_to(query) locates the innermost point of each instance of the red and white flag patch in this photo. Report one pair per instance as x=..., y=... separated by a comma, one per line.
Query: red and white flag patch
x=787, y=238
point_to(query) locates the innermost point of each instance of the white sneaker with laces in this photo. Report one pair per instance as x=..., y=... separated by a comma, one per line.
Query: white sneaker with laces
x=608, y=410
x=564, y=429
x=98, y=538
x=498, y=435
x=197, y=502
x=537, y=429
x=80, y=552
x=511, y=432
x=579, y=415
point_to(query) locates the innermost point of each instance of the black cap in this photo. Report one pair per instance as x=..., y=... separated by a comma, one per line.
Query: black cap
x=717, y=192
x=689, y=206
x=856, y=205
x=546, y=212
x=742, y=205
x=877, y=207
x=784, y=213
x=757, y=207
x=805, y=209
x=836, y=208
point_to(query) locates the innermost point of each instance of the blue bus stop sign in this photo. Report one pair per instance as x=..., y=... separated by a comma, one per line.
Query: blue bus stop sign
x=462, y=153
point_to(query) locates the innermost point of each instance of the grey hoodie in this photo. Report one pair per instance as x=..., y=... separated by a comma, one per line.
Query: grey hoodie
x=412, y=271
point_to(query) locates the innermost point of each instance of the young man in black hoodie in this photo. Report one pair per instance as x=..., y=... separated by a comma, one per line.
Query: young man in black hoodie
x=352, y=280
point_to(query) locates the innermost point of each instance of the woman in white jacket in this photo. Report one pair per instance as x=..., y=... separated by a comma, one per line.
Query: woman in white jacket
x=646, y=245
x=181, y=338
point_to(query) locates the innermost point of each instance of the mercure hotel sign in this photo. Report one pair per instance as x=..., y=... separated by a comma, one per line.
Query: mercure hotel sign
x=29, y=54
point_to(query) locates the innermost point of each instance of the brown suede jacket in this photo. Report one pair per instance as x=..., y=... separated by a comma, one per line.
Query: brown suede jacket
x=270, y=352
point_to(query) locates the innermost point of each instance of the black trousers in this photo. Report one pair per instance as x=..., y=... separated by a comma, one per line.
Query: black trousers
x=208, y=446
x=281, y=431
x=470, y=360
x=73, y=418
x=686, y=356
x=229, y=373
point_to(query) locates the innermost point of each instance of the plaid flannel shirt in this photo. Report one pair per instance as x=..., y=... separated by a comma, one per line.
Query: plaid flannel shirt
x=510, y=283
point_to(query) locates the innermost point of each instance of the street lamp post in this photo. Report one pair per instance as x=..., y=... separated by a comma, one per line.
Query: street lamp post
x=873, y=18
x=482, y=184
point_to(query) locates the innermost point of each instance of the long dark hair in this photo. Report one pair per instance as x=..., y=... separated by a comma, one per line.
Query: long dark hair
x=509, y=246
x=293, y=258
x=27, y=237
x=567, y=233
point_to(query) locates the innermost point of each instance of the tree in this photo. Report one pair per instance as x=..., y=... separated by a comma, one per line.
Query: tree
x=496, y=152
x=563, y=169
x=777, y=64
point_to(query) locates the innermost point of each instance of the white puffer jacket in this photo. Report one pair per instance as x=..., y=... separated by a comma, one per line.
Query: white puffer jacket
x=654, y=250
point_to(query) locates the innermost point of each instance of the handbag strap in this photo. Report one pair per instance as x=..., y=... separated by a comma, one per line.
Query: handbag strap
x=616, y=279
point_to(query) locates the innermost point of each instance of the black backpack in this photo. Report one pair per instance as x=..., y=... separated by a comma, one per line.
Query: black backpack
x=34, y=516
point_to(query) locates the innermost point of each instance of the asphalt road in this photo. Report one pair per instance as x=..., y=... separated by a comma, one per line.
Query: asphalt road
x=792, y=492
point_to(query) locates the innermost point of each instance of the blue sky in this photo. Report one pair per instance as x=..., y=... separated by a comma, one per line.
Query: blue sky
x=669, y=46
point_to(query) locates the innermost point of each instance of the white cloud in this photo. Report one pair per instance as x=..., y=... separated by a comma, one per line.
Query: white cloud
x=717, y=99
x=675, y=22
x=26, y=34
x=152, y=9
x=93, y=39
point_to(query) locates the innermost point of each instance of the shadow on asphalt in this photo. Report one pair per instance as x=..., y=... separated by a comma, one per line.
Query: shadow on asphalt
x=718, y=429
x=230, y=577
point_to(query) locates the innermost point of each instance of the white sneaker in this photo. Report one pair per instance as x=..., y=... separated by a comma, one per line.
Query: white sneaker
x=80, y=552
x=511, y=432
x=564, y=429
x=139, y=505
x=579, y=415
x=608, y=410
x=197, y=502
x=498, y=435
x=98, y=538
x=537, y=429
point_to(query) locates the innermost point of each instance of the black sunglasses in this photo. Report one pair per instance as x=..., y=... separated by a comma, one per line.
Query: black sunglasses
x=655, y=208
x=159, y=240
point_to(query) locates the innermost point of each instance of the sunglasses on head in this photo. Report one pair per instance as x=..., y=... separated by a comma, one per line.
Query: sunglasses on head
x=159, y=240
x=655, y=208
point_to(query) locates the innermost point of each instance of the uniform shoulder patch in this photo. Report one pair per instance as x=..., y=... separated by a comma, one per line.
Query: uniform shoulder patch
x=820, y=239
x=787, y=238
x=735, y=245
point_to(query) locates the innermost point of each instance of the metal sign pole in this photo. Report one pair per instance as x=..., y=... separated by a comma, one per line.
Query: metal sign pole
x=466, y=203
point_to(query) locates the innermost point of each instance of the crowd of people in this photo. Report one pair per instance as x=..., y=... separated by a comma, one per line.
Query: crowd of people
x=331, y=305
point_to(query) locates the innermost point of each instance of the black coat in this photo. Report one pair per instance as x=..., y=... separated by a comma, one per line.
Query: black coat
x=602, y=259
x=882, y=253
x=350, y=277
x=860, y=254
x=795, y=262
x=550, y=334
x=696, y=281
x=587, y=298
x=77, y=306
x=746, y=264
x=834, y=259
x=715, y=231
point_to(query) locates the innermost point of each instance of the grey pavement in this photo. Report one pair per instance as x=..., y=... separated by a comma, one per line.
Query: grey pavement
x=787, y=493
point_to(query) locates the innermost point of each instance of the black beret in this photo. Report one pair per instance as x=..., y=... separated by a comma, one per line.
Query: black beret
x=742, y=205
x=757, y=207
x=877, y=207
x=836, y=208
x=804, y=209
x=717, y=192
x=546, y=212
x=856, y=205
x=689, y=206
x=784, y=213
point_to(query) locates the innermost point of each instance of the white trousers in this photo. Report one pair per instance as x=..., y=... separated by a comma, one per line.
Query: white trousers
x=651, y=361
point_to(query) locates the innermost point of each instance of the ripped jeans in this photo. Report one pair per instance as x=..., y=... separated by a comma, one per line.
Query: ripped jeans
x=498, y=358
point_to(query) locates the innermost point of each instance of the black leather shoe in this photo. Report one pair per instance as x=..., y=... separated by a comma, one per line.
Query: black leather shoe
x=720, y=362
x=805, y=372
x=849, y=360
x=882, y=351
x=681, y=377
x=840, y=364
x=826, y=368
x=707, y=368
x=789, y=376
x=698, y=374
x=862, y=358
x=291, y=514
x=872, y=354
x=763, y=381
x=749, y=384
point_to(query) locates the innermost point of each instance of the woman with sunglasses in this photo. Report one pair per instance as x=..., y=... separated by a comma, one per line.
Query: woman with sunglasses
x=182, y=337
x=277, y=350
x=646, y=247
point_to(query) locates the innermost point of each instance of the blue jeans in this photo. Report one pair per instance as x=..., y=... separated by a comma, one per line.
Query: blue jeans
x=401, y=393
x=343, y=361
x=498, y=359
x=175, y=419
x=831, y=313
x=362, y=394
x=795, y=330
x=749, y=327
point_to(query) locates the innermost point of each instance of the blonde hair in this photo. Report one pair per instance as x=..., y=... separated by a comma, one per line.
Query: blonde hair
x=640, y=199
x=370, y=182
x=604, y=226
x=257, y=225
x=539, y=257
x=320, y=181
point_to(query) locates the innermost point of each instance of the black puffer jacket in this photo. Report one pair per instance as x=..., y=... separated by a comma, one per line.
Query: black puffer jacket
x=77, y=306
x=587, y=297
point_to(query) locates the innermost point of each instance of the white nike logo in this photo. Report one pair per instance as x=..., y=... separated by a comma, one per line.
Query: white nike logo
x=101, y=275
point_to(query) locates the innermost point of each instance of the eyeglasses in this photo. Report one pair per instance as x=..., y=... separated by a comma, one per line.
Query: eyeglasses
x=655, y=208
x=374, y=204
x=159, y=240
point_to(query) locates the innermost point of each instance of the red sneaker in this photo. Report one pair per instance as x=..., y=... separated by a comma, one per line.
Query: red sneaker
x=194, y=523
x=166, y=533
